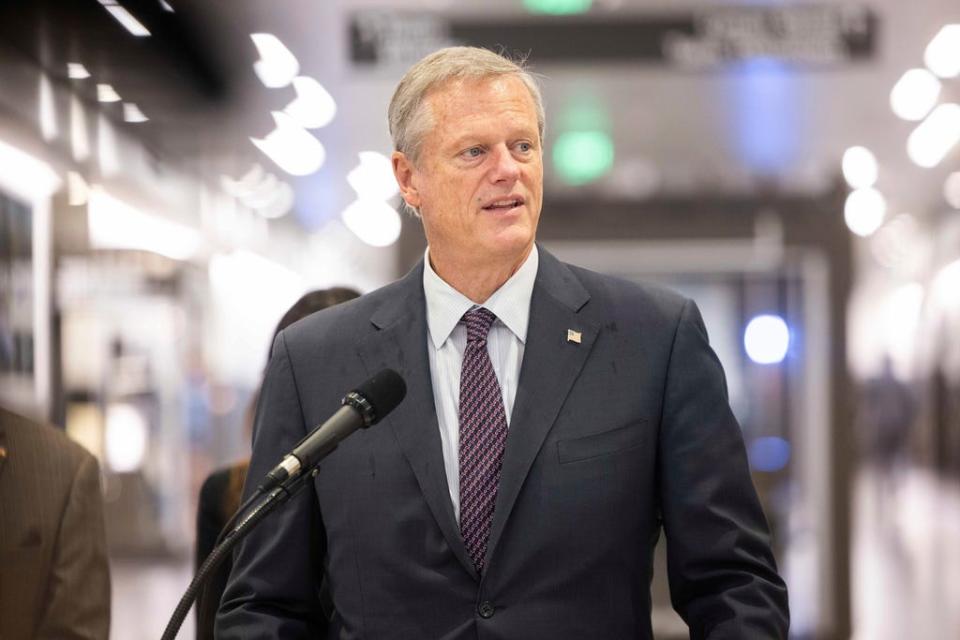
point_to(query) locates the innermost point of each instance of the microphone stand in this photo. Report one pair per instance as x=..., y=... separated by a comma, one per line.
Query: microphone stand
x=274, y=499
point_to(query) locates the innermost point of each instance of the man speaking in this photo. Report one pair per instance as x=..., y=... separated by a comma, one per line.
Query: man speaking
x=555, y=421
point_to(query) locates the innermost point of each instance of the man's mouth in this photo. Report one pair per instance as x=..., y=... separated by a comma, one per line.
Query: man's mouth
x=503, y=204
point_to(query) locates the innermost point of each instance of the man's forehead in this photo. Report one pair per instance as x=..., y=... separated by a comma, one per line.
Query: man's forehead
x=503, y=86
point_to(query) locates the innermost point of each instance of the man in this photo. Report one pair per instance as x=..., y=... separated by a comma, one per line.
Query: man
x=54, y=578
x=555, y=419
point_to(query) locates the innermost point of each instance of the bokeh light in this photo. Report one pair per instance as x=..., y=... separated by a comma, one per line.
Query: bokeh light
x=766, y=339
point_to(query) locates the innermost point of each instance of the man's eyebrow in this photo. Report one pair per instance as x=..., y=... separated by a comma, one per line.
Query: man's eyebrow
x=466, y=139
x=472, y=139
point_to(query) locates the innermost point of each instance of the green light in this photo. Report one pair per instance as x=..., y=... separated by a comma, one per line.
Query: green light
x=558, y=7
x=582, y=156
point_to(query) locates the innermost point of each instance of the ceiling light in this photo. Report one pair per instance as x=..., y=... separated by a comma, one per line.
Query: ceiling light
x=766, y=339
x=165, y=6
x=291, y=147
x=277, y=66
x=914, y=94
x=951, y=189
x=946, y=283
x=864, y=211
x=114, y=224
x=934, y=137
x=132, y=113
x=23, y=169
x=76, y=71
x=899, y=316
x=125, y=18
x=859, y=167
x=106, y=93
x=373, y=178
x=79, y=143
x=314, y=106
x=126, y=438
x=943, y=53
x=373, y=221
x=107, y=151
x=48, y=113
x=77, y=189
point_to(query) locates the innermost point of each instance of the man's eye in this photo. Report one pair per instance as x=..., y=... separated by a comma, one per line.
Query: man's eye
x=525, y=146
x=473, y=152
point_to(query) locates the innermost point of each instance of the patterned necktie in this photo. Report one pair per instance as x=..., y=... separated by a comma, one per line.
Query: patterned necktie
x=483, y=433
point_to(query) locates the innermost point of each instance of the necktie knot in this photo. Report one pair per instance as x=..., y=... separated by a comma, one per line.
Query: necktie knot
x=478, y=321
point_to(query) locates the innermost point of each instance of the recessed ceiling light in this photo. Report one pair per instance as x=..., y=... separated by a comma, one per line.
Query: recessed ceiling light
x=47, y=110
x=943, y=53
x=859, y=167
x=933, y=138
x=76, y=71
x=864, y=211
x=125, y=18
x=277, y=66
x=106, y=93
x=132, y=113
x=914, y=94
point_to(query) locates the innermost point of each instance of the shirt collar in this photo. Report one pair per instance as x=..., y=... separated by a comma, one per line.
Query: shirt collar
x=510, y=303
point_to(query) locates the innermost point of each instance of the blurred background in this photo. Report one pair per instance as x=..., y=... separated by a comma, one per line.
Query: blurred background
x=175, y=173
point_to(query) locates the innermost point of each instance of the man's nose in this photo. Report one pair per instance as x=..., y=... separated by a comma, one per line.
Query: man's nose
x=506, y=167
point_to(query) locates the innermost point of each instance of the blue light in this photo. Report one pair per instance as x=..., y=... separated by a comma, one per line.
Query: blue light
x=769, y=454
x=765, y=114
x=767, y=339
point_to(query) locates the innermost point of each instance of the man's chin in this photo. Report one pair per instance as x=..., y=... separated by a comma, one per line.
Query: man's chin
x=507, y=246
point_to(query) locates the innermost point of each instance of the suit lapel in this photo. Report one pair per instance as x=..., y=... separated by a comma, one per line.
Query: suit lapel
x=399, y=341
x=551, y=363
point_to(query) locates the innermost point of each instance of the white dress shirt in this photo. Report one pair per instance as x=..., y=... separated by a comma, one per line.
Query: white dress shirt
x=448, y=338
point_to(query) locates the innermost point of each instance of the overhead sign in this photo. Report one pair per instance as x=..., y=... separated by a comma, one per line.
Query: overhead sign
x=698, y=39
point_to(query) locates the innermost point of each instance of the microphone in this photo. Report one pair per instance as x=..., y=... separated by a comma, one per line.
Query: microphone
x=363, y=407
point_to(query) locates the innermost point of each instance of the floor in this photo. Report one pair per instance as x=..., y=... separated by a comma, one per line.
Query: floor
x=906, y=556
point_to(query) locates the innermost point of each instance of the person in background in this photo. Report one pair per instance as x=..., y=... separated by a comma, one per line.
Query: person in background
x=556, y=421
x=54, y=574
x=220, y=493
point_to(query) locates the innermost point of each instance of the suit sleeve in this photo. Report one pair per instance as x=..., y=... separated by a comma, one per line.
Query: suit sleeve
x=723, y=577
x=78, y=606
x=275, y=581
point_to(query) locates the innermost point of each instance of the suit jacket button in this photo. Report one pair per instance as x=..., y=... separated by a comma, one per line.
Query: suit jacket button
x=485, y=609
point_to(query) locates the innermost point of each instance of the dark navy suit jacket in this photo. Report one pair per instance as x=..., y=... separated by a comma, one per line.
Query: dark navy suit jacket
x=612, y=439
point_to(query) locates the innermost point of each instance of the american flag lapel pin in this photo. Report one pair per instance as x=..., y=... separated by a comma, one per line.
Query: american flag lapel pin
x=574, y=336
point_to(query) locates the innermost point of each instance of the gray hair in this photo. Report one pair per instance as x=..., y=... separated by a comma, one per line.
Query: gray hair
x=410, y=120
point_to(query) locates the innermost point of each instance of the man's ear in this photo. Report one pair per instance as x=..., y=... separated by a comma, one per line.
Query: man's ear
x=404, y=171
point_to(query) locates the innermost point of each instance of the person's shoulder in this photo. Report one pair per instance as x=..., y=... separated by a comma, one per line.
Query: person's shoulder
x=51, y=442
x=639, y=295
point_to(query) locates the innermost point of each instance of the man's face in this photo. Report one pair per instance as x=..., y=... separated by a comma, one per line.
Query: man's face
x=479, y=179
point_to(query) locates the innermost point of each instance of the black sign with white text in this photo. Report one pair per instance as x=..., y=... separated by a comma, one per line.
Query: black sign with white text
x=699, y=39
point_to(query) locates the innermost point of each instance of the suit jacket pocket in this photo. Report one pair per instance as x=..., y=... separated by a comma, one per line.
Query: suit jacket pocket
x=602, y=444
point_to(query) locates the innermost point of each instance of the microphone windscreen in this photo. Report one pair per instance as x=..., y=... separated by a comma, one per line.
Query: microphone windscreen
x=384, y=391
